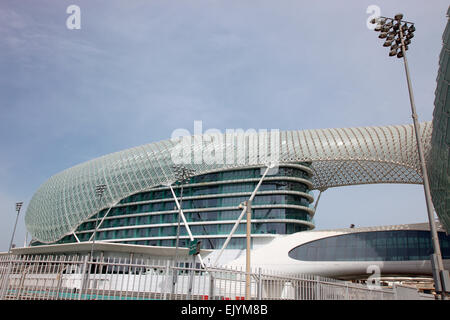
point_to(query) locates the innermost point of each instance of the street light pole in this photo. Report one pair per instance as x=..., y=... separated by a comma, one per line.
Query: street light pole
x=402, y=33
x=18, y=207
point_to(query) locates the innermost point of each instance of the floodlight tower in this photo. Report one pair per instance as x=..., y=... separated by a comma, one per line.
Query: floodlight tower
x=398, y=34
x=18, y=207
x=182, y=175
x=99, y=190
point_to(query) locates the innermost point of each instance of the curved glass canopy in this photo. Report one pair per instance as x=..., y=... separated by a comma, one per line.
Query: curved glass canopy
x=338, y=157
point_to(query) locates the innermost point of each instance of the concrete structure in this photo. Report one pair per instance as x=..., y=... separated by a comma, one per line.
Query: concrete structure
x=353, y=253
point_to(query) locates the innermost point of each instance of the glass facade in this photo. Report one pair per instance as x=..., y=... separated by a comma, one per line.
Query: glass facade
x=401, y=245
x=439, y=168
x=210, y=204
x=336, y=157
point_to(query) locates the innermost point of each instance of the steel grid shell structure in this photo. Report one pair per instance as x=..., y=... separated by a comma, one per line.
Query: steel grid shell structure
x=338, y=157
x=440, y=154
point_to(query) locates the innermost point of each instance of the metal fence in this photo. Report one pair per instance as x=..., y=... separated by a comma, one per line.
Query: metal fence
x=78, y=278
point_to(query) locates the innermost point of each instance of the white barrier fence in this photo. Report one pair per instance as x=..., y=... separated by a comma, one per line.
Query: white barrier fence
x=77, y=278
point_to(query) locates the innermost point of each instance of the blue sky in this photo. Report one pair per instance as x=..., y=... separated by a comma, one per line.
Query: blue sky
x=137, y=70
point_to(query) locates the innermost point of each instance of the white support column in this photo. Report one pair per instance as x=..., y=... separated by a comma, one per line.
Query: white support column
x=191, y=237
x=78, y=240
x=244, y=210
x=101, y=221
x=236, y=224
x=318, y=198
x=182, y=214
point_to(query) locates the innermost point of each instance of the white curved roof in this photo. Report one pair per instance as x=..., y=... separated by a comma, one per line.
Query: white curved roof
x=275, y=255
x=339, y=157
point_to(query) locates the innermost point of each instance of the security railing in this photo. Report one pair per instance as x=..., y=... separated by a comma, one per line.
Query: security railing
x=79, y=278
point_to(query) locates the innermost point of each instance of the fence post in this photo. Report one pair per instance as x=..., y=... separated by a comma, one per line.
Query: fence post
x=61, y=269
x=296, y=285
x=211, y=286
x=394, y=288
x=346, y=291
x=191, y=278
x=168, y=279
x=83, y=277
x=259, y=292
x=317, y=295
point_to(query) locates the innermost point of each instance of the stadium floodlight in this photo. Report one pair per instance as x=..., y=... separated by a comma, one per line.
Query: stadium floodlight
x=398, y=16
x=99, y=190
x=182, y=175
x=18, y=207
x=385, y=28
x=404, y=32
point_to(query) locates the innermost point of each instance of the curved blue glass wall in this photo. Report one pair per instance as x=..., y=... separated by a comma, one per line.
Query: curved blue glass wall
x=400, y=245
x=440, y=140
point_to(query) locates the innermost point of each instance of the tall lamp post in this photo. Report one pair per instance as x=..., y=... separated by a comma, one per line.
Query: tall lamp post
x=398, y=34
x=99, y=190
x=4, y=283
x=182, y=174
x=18, y=207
